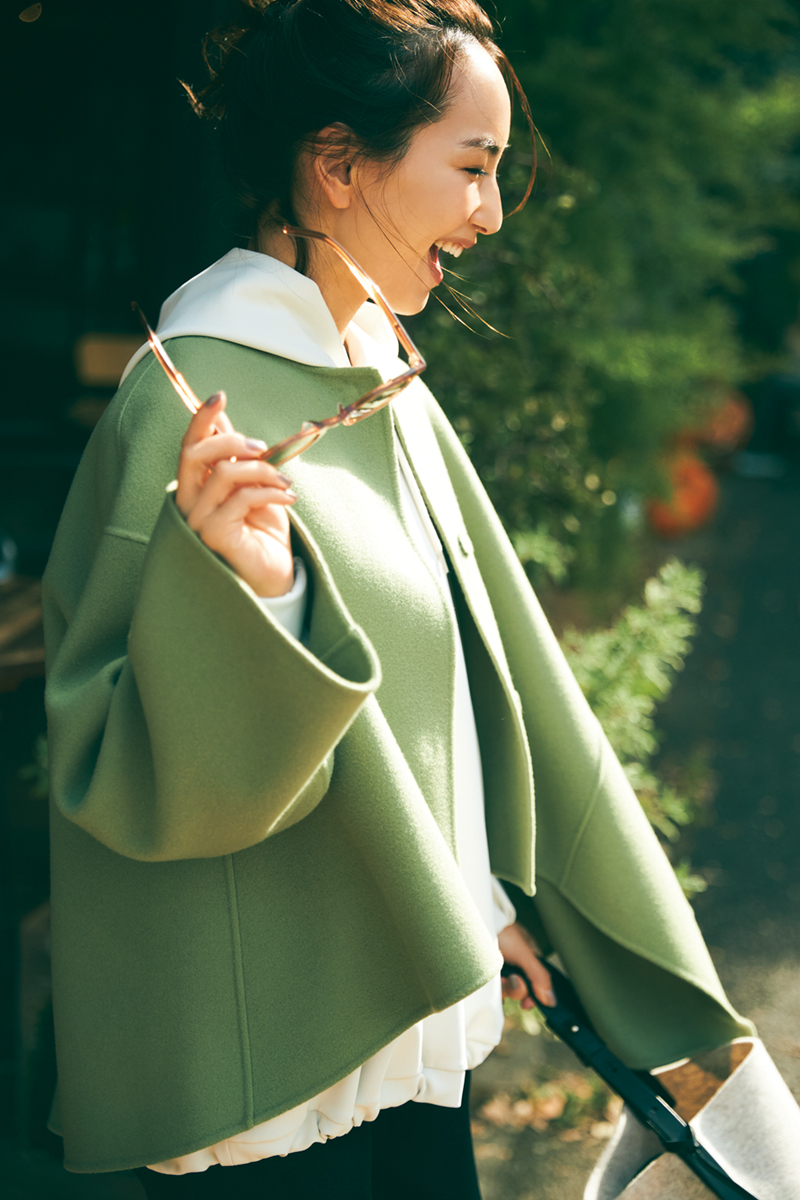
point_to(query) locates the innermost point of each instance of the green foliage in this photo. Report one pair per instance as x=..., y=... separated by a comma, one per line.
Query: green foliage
x=529, y=1020
x=672, y=128
x=692, y=884
x=626, y=670
x=539, y=547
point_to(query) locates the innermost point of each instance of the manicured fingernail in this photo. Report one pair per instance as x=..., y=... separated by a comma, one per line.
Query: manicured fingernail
x=550, y=997
x=285, y=479
x=215, y=399
x=292, y=495
x=527, y=1003
x=255, y=444
x=514, y=982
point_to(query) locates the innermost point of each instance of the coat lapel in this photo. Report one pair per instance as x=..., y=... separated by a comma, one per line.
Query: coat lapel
x=505, y=754
x=429, y=469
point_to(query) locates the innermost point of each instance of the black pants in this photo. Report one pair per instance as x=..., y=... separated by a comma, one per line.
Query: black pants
x=414, y=1152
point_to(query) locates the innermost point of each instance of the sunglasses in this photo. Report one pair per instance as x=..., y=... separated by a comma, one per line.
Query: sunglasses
x=348, y=414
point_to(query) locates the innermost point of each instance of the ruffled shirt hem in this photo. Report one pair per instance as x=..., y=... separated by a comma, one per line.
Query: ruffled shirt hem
x=461, y=1037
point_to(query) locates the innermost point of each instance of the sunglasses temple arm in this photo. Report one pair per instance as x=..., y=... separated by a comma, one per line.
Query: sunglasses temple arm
x=369, y=286
x=173, y=374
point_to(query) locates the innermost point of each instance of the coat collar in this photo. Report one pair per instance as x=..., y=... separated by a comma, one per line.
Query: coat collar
x=257, y=301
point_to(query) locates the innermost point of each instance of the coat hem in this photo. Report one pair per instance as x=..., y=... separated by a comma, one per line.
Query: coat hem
x=242, y=1125
x=526, y=885
x=656, y=960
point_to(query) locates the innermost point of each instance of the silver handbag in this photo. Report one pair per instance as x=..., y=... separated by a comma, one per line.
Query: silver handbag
x=722, y=1126
x=738, y=1106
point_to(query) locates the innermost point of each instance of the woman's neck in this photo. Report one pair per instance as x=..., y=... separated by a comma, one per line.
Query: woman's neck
x=341, y=292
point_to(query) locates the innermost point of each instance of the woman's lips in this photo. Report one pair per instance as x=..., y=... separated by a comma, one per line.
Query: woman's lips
x=433, y=263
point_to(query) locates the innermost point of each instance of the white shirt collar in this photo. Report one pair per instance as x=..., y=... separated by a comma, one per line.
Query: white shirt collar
x=254, y=300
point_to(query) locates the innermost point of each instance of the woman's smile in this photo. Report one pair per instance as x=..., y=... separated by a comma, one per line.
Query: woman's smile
x=436, y=270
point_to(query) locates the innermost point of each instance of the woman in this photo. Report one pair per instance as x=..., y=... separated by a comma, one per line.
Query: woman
x=286, y=749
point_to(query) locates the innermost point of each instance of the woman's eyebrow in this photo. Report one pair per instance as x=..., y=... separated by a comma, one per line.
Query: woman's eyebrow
x=483, y=143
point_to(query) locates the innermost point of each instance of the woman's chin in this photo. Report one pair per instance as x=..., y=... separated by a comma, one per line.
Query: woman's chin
x=409, y=305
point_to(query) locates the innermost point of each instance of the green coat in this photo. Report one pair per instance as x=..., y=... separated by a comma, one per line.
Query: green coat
x=254, y=883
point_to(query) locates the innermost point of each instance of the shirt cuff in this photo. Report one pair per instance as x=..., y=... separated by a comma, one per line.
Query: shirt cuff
x=504, y=912
x=290, y=610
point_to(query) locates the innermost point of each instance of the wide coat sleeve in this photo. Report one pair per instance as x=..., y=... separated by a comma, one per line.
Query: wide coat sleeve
x=183, y=721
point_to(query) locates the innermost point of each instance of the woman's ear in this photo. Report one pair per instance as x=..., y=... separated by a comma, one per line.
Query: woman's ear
x=332, y=157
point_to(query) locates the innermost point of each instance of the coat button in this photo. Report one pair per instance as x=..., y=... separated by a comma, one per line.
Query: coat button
x=464, y=543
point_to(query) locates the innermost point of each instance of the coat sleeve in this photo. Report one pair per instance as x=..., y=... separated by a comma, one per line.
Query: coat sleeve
x=183, y=720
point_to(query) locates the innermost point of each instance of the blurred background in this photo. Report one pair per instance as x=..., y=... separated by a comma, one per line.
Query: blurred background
x=634, y=413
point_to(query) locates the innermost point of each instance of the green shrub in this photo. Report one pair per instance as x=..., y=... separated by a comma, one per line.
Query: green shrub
x=625, y=671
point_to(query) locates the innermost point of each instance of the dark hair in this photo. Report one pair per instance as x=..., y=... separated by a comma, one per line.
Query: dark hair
x=287, y=69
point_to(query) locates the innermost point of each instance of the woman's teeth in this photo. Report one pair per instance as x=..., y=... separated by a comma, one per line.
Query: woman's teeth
x=450, y=248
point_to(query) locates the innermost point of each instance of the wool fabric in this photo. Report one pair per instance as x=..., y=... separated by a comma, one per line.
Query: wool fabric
x=255, y=884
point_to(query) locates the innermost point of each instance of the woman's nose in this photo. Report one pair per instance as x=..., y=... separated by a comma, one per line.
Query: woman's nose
x=488, y=217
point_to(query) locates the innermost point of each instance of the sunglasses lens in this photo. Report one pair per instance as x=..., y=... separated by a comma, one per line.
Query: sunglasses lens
x=374, y=403
x=281, y=452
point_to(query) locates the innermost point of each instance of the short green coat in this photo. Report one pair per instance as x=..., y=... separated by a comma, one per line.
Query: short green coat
x=254, y=884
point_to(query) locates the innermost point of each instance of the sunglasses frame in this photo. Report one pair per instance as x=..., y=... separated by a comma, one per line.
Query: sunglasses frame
x=349, y=414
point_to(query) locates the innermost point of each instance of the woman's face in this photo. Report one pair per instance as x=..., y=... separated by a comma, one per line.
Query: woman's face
x=441, y=195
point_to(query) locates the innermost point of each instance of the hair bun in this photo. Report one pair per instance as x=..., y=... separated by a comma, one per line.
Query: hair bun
x=283, y=70
x=210, y=101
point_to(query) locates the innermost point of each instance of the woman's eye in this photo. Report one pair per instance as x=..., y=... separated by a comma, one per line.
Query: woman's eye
x=475, y=171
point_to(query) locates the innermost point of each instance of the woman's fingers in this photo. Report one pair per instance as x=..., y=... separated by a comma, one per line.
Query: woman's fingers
x=250, y=530
x=519, y=949
x=228, y=476
x=204, y=422
x=209, y=420
x=241, y=515
x=541, y=982
x=222, y=421
x=514, y=987
x=232, y=513
x=209, y=441
x=235, y=501
x=212, y=450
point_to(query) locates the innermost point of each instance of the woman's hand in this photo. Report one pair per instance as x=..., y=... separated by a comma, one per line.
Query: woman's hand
x=238, y=508
x=520, y=950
